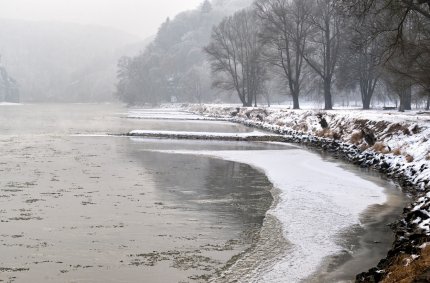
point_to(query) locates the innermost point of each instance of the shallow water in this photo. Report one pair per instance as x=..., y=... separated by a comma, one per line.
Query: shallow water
x=79, y=206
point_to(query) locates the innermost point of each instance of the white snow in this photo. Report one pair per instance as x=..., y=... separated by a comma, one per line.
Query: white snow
x=9, y=104
x=196, y=134
x=318, y=201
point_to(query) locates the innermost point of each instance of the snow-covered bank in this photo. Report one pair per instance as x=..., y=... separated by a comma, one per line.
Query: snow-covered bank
x=395, y=144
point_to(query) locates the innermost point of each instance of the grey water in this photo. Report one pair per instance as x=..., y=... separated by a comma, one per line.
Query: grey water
x=78, y=205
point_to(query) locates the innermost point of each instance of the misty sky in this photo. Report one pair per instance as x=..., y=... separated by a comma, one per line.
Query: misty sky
x=139, y=17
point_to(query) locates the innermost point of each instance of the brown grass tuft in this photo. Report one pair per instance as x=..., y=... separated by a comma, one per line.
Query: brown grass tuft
x=381, y=147
x=406, y=270
x=325, y=133
x=356, y=137
x=409, y=158
x=397, y=151
x=428, y=157
x=302, y=127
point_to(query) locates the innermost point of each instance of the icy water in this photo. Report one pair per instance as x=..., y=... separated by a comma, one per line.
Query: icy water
x=77, y=205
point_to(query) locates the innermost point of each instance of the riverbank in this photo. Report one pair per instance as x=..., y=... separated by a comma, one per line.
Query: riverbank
x=394, y=144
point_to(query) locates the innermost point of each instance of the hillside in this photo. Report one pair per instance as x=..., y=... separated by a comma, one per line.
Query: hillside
x=174, y=66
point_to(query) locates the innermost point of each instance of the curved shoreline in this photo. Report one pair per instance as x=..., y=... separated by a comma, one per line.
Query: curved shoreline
x=411, y=233
x=310, y=239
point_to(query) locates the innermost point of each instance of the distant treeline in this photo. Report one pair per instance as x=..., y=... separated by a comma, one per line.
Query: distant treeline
x=313, y=50
x=9, y=91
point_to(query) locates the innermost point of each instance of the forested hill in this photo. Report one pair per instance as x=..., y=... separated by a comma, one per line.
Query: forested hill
x=62, y=62
x=173, y=67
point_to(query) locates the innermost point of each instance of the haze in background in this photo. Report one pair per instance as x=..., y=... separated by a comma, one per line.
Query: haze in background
x=138, y=17
x=67, y=51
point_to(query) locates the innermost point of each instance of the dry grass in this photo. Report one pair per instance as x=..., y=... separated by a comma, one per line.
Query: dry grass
x=302, y=127
x=325, y=133
x=395, y=128
x=280, y=123
x=356, y=137
x=428, y=157
x=409, y=158
x=337, y=135
x=381, y=147
x=406, y=270
x=397, y=151
x=381, y=126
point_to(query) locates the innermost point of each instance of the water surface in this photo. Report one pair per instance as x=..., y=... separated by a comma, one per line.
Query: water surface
x=79, y=206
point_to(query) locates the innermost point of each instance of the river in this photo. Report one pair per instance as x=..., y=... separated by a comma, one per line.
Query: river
x=80, y=204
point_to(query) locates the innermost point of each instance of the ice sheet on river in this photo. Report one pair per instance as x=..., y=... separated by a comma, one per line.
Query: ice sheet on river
x=318, y=201
x=165, y=114
x=197, y=134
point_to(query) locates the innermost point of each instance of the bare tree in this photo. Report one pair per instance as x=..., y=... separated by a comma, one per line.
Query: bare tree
x=359, y=62
x=323, y=52
x=286, y=26
x=235, y=56
x=192, y=85
x=404, y=28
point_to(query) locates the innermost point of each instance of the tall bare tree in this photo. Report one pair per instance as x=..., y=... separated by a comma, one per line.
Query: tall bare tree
x=285, y=30
x=359, y=64
x=235, y=56
x=404, y=26
x=324, y=47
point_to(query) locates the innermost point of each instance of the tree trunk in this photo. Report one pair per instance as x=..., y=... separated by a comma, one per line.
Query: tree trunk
x=408, y=98
x=405, y=99
x=327, y=95
x=402, y=107
x=296, y=104
x=428, y=102
x=366, y=101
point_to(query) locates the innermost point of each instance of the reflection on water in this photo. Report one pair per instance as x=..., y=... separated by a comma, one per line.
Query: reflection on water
x=230, y=191
x=104, y=209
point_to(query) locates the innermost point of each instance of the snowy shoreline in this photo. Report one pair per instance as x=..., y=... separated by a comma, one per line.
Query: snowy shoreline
x=399, y=147
x=299, y=201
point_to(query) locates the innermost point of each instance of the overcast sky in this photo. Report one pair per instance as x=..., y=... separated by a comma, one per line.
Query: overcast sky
x=139, y=17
